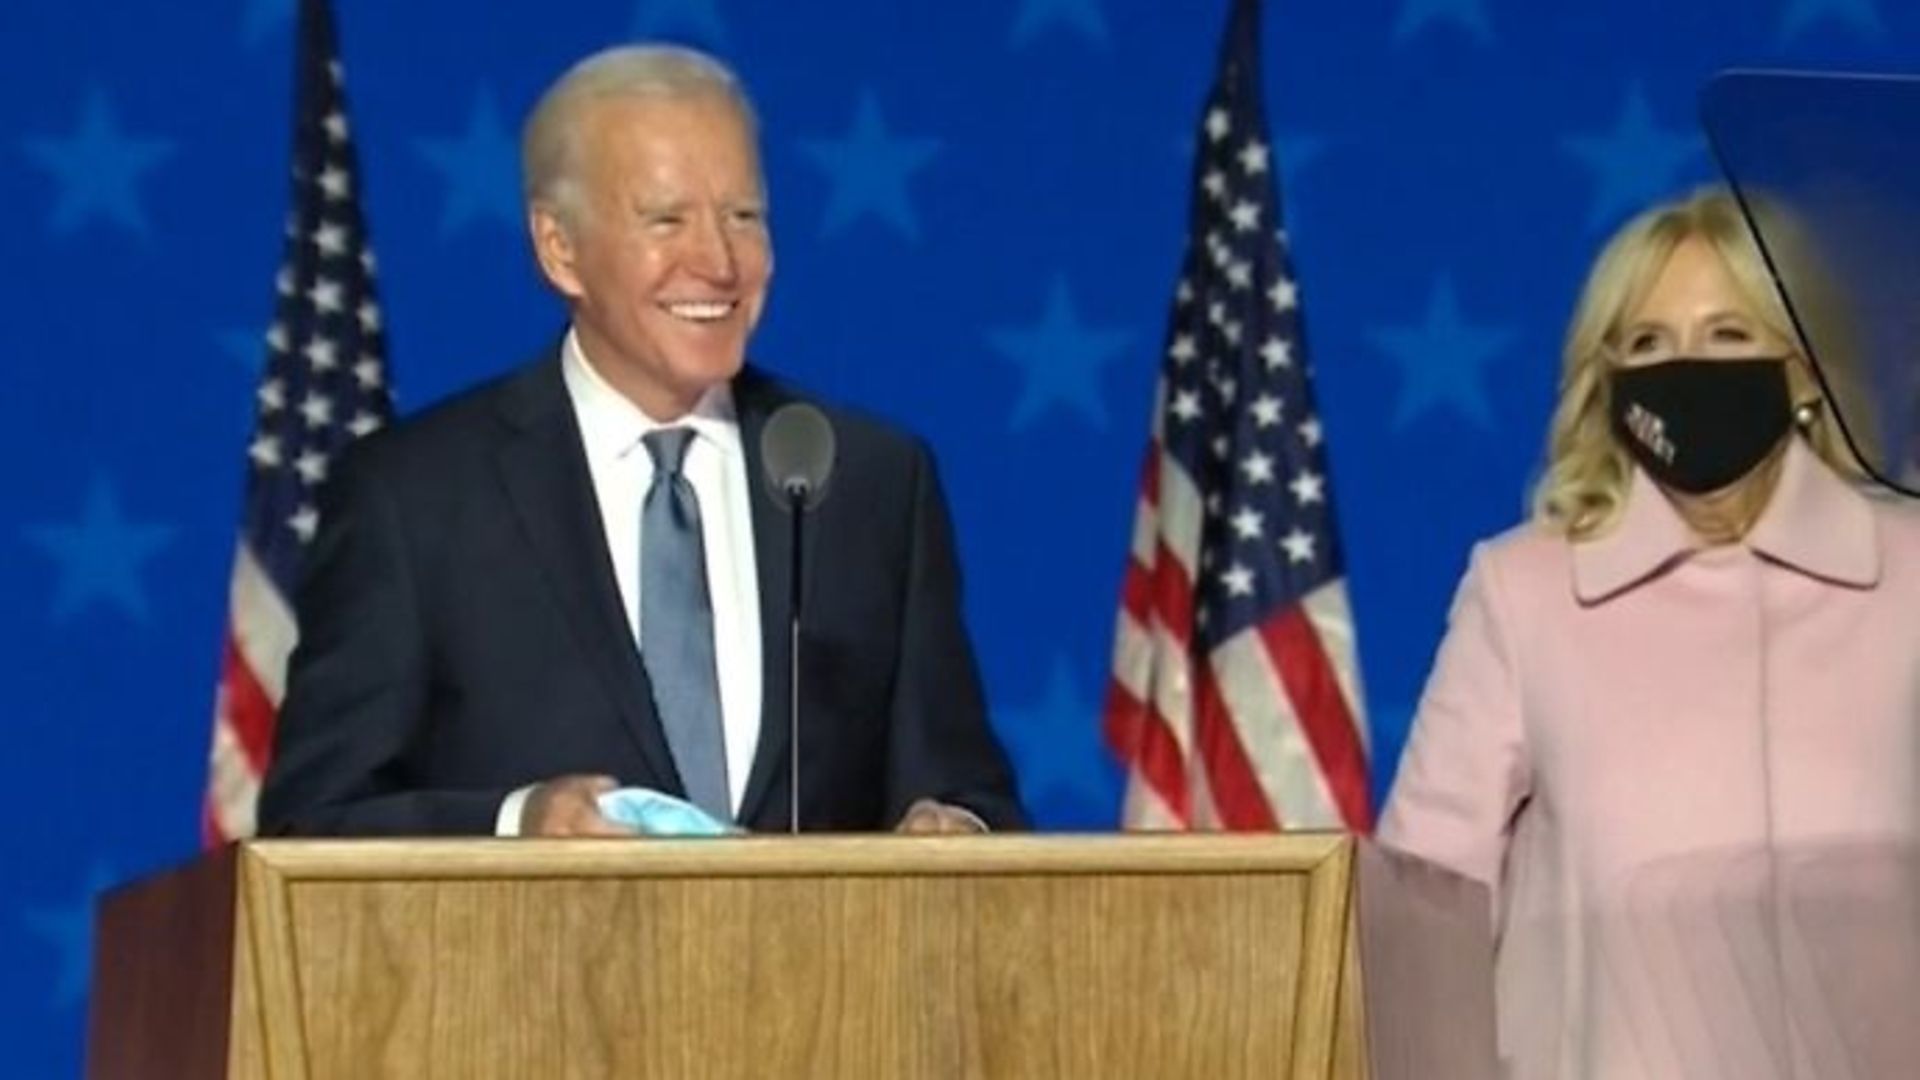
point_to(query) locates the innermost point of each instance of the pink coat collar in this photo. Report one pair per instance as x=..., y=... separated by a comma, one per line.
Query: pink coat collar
x=1816, y=523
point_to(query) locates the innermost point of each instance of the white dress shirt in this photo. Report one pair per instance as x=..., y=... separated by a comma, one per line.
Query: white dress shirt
x=611, y=429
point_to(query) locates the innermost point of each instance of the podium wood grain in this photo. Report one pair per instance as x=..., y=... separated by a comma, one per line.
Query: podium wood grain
x=1001, y=956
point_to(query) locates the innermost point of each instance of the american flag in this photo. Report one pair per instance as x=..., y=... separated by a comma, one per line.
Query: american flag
x=324, y=384
x=1235, y=699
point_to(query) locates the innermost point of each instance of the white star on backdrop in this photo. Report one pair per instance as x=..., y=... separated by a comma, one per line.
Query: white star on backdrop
x=481, y=168
x=1061, y=360
x=101, y=556
x=264, y=17
x=1468, y=15
x=1862, y=16
x=1067, y=777
x=1637, y=162
x=695, y=20
x=1083, y=17
x=68, y=929
x=868, y=169
x=1442, y=360
x=99, y=168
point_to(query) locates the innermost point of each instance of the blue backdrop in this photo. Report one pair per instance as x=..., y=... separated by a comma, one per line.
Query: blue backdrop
x=978, y=209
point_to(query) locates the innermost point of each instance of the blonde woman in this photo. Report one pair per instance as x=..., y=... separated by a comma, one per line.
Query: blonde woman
x=1704, y=646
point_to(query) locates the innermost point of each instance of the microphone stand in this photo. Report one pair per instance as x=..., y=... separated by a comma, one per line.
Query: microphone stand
x=797, y=492
x=796, y=449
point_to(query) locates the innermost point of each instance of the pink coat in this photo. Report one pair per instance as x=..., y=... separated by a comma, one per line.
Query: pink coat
x=1616, y=731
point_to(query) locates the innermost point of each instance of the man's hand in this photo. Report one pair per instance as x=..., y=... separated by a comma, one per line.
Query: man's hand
x=567, y=806
x=929, y=816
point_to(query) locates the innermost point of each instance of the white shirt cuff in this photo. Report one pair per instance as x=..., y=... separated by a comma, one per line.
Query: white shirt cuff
x=507, y=823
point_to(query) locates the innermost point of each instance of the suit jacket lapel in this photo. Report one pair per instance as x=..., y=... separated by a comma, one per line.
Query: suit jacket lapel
x=545, y=474
x=755, y=398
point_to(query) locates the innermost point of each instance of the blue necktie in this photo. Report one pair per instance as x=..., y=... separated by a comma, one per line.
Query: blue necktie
x=676, y=625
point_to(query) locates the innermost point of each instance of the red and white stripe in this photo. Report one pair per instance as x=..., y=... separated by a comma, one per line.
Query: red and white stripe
x=260, y=636
x=1266, y=732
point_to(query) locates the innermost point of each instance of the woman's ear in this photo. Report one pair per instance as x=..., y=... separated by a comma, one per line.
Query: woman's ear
x=1803, y=388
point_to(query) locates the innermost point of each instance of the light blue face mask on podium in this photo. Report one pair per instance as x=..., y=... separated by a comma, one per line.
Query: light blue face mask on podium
x=655, y=813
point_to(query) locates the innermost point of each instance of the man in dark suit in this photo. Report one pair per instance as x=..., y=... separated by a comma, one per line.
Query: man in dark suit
x=573, y=578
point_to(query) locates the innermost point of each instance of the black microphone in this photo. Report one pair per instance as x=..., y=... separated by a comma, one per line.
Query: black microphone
x=796, y=455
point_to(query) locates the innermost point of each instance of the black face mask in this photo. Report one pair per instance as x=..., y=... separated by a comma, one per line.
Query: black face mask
x=1698, y=425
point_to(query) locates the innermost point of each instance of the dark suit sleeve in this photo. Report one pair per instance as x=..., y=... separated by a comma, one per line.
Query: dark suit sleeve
x=357, y=684
x=941, y=745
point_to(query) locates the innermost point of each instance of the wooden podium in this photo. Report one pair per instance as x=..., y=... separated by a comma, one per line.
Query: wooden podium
x=1304, y=955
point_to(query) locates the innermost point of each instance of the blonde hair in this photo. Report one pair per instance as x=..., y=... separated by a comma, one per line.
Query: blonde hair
x=1584, y=486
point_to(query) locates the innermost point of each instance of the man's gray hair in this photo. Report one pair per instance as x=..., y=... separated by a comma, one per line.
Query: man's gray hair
x=549, y=146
